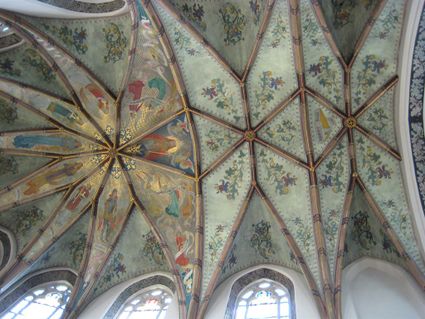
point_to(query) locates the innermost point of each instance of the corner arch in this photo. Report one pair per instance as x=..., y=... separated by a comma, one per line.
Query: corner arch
x=374, y=288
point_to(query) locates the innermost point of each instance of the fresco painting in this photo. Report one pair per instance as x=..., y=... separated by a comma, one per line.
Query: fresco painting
x=170, y=201
x=323, y=72
x=129, y=260
x=54, y=180
x=228, y=188
x=14, y=167
x=48, y=141
x=151, y=95
x=259, y=241
x=95, y=99
x=56, y=109
x=214, y=139
x=285, y=131
x=231, y=28
x=377, y=60
x=112, y=210
x=25, y=65
x=324, y=124
x=46, y=180
x=26, y=220
x=282, y=182
x=70, y=210
x=209, y=86
x=85, y=39
x=170, y=145
x=14, y=118
x=268, y=87
x=333, y=174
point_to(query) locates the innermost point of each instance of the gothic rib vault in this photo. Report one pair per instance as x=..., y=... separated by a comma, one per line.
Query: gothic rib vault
x=202, y=138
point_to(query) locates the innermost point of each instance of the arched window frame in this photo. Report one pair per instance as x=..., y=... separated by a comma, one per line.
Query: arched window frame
x=252, y=277
x=138, y=288
x=16, y=292
x=8, y=249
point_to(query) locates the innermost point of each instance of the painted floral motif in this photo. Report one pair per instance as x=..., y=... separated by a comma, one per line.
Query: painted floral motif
x=398, y=216
x=76, y=248
x=183, y=42
x=277, y=175
x=377, y=170
x=343, y=8
x=265, y=94
x=334, y=171
x=221, y=96
x=8, y=112
x=279, y=32
x=331, y=225
x=33, y=59
x=378, y=120
x=327, y=75
x=195, y=13
x=115, y=269
x=310, y=28
x=216, y=242
x=372, y=67
x=217, y=138
x=152, y=249
x=231, y=260
x=303, y=234
x=387, y=244
x=285, y=130
x=389, y=23
x=8, y=165
x=27, y=217
x=232, y=180
x=7, y=66
x=76, y=37
x=256, y=7
x=116, y=43
x=261, y=239
x=234, y=22
x=362, y=231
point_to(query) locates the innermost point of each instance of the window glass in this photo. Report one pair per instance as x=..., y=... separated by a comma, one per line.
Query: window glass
x=151, y=304
x=264, y=299
x=45, y=301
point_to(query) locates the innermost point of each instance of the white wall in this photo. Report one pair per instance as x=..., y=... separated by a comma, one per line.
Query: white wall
x=98, y=307
x=40, y=9
x=304, y=302
x=375, y=289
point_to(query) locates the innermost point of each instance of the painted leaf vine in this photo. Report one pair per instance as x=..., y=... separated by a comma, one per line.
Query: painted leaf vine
x=265, y=94
x=116, y=43
x=232, y=180
x=277, y=175
x=261, y=239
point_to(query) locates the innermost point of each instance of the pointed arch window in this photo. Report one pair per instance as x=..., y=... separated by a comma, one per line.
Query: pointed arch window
x=46, y=301
x=261, y=294
x=149, y=304
x=263, y=299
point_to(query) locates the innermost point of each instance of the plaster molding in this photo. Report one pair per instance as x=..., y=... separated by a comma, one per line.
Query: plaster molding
x=40, y=9
x=402, y=118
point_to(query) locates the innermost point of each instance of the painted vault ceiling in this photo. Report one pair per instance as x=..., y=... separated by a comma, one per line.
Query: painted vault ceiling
x=200, y=138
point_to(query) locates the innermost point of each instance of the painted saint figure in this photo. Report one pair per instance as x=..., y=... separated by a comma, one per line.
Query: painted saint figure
x=153, y=95
x=45, y=141
x=97, y=93
x=82, y=193
x=107, y=223
x=52, y=177
x=60, y=112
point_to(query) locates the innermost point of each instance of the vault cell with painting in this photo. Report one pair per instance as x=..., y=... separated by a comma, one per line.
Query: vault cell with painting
x=211, y=159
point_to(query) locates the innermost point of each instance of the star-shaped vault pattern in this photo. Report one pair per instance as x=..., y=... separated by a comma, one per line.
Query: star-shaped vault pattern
x=146, y=141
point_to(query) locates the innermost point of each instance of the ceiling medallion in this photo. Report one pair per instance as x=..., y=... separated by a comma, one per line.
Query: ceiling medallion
x=250, y=136
x=350, y=122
